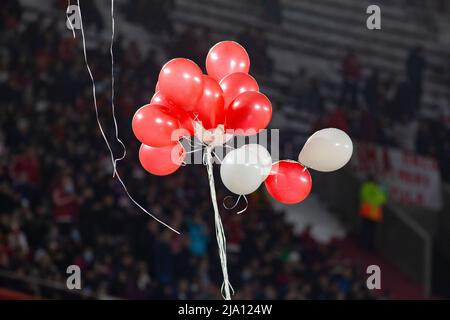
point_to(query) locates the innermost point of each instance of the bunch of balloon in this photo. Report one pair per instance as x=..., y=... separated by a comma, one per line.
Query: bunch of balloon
x=208, y=106
x=213, y=107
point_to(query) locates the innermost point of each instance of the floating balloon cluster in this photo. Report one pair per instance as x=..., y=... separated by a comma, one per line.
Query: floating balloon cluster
x=215, y=106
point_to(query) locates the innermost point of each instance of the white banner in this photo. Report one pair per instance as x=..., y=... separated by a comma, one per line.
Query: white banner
x=411, y=179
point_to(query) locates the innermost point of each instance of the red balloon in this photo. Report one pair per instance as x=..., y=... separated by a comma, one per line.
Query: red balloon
x=159, y=99
x=226, y=57
x=181, y=82
x=210, y=108
x=185, y=119
x=251, y=111
x=186, y=122
x=161, y=161
x=288, y=182
x=236, y=83
x=154, y=125
x=157, y=86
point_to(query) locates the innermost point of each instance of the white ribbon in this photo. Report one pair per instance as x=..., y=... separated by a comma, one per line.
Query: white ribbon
x=236, y=203
x=94, y=96
x=220, y=234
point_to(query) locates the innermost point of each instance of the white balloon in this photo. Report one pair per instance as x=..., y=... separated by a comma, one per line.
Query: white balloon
x=241, y=172
x=263, y=157
x=213, y=137
x=326, y=150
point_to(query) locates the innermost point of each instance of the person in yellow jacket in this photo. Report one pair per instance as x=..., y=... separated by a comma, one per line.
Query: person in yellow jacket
x=372, y=197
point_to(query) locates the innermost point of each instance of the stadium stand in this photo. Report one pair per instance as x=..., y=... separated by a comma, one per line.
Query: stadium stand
x=60, y=205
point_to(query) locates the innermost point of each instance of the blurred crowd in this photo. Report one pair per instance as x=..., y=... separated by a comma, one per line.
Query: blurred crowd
x=385, y=109
x=60, y=205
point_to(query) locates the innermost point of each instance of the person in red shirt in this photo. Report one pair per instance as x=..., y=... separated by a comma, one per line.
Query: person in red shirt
x=65, y=201
x=337, y=118
x=25, y=172
x=26, y=164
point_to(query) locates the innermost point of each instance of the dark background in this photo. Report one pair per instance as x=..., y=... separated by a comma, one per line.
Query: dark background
x=319, y=65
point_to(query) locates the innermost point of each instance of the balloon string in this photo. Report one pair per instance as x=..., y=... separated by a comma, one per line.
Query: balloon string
x=68, y=19
x=113, y=160
x=192, y=151
x=193, y=147
x=236, y=203
x=246, y=205
x=188, y=140
x=220, y=233
x=217, y=157
x=233, y=206
x=113, y=108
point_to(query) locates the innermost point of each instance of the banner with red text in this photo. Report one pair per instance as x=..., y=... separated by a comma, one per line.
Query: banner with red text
x=411, y=179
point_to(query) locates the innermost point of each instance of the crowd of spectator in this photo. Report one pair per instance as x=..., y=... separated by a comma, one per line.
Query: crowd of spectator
x=60, y=205
x=385, y=109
